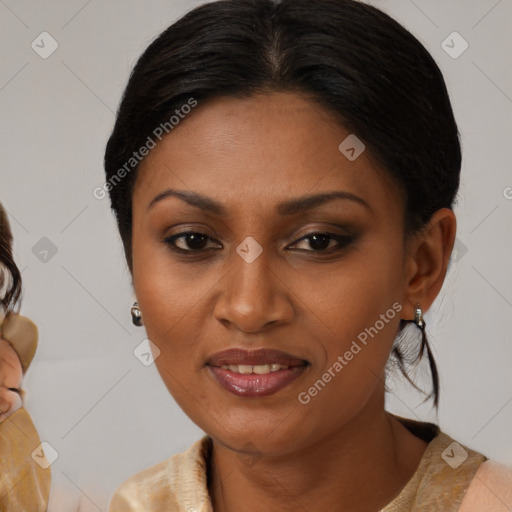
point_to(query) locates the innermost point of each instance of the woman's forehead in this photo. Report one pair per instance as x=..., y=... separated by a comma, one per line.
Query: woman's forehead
x=240, y=148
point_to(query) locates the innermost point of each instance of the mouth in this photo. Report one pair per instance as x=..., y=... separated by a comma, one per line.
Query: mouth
x=255, y=373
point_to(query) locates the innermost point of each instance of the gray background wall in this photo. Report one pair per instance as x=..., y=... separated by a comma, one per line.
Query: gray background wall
x=106, y=414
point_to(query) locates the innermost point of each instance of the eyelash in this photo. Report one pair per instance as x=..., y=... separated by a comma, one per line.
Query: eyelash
x=342, y=240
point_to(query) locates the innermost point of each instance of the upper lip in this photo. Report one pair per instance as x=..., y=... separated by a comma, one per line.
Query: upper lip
x=259, y=356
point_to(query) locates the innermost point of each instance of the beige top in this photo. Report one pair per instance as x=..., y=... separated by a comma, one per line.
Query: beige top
x=179, y=484
x=25, y=475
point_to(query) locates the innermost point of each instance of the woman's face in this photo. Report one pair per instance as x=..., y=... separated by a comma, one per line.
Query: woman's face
x=321, y=300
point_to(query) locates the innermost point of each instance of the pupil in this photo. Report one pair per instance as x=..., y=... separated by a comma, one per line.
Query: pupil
x=322, y=239
x=196, y=241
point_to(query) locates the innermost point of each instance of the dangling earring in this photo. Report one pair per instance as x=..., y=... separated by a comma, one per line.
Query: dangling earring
x=418, y=320
x=136, y=315
x=418, y=317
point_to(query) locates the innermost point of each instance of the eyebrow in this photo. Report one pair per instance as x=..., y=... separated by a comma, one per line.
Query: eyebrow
x=289, y=207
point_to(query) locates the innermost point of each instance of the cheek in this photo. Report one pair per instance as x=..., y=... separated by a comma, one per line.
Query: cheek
x=352, y=297
x=170, y=301
x=360, y=316
x=172, y=297
x=170, y=309
x=357, y=351
x=161, y=293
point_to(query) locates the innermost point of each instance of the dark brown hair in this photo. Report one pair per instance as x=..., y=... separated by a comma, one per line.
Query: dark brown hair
x=10, y=277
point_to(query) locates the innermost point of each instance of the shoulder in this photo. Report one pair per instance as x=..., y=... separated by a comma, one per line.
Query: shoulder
x=490, y=489
x=148, y=488
x=443, y=475
x=463, y=477
x=179, y=480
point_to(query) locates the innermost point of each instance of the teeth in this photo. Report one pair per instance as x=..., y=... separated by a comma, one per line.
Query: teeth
x=244, y=368
x=259, y=369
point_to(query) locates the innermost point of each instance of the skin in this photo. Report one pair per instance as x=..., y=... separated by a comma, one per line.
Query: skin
x=274, y=453
x=10, y=377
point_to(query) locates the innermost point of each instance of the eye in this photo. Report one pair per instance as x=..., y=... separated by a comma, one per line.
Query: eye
x=320, y=241
x=194, y=240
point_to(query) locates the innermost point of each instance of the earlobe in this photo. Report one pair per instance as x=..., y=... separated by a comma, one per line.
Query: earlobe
x=427, y=260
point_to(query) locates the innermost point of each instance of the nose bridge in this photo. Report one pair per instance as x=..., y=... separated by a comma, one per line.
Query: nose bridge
x=252, y=278
x=252, y=295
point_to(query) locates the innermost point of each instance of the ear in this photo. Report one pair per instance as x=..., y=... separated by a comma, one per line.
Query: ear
x=427, y=257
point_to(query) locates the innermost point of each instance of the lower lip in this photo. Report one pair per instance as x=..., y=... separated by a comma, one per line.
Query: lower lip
x=255, y=385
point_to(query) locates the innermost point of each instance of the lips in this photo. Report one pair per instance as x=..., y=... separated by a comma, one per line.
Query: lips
x=255, y=373
x=259, y=357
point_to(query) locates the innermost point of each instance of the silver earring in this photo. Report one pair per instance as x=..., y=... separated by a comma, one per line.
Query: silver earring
x=136, y=314
x=418, y=317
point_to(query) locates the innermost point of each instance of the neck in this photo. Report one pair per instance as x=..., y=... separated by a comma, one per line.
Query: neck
x=361, y=467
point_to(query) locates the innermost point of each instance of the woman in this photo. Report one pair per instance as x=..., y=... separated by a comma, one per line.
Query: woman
x=283, y=176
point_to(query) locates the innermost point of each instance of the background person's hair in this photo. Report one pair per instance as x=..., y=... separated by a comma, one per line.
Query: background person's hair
x=10, y=277
x=358, y=63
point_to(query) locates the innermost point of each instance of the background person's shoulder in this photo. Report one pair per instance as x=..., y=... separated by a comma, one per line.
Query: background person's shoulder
x=490, y=489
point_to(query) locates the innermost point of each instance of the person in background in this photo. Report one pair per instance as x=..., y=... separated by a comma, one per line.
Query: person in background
x=25, y=476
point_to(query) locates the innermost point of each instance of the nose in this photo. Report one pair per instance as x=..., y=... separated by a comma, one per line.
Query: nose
x=253, y=296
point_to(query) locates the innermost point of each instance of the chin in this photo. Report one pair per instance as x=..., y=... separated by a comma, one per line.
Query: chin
x=256, y=431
